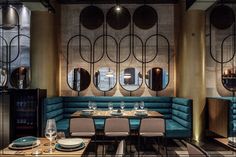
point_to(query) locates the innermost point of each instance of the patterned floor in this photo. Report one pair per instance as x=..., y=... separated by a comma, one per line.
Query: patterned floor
x=175, y=148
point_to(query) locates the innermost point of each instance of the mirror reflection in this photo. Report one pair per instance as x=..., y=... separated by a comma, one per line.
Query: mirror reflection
x=3, y=77
x=79, y=79
x=104, y=79
x=156, y=79
x=229, y=79
x=20, y=78
x=131, y=79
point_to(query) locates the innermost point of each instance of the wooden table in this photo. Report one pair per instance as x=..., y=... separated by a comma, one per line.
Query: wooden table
x=126, y=114
x=28, y=152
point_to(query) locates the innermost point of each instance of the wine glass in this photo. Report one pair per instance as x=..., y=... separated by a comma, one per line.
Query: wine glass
x=136, y=106
x=94, y=106
x=51, y=132
x=142, y=105
x=122, y=105
x=90, y=105
x=110, y=106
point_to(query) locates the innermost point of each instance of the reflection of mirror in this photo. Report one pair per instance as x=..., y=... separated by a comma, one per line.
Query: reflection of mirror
x=229, y=79
x=3, y=77
x=20, y=78
x=131, y=79
x=104, y=79
x=79, y=79
x=156, y=79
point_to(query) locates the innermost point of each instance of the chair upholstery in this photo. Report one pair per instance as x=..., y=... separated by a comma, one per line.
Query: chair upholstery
x=177, y=111
x=120, y=152
x=152, y=127
x=82, y=127
x=116, y=127
x=194, y=151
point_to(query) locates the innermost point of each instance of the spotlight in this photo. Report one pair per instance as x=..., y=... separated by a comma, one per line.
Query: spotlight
x=118, y=8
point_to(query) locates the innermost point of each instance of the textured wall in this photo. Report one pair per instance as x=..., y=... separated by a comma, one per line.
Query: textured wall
x=69, y=23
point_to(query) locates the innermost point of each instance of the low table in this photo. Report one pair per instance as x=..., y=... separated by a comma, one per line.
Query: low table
x=28, y=152
x=126, y=114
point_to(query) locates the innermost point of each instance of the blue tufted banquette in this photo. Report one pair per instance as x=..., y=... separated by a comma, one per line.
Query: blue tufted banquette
x=177, y=111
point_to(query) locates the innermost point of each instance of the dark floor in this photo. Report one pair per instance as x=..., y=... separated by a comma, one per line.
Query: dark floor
x=175, y=148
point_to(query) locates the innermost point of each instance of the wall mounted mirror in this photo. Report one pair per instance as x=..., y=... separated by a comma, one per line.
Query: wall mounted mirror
x=104, y=79
x=131, y=79
x=79, y=79
x=157, y=79
x=20, y=78
x=3, y=77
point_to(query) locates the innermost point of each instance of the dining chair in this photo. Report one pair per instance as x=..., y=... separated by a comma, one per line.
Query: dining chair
x=116, y=128
x=83, y=127
x=120, y=152
x=152, y=127
x=195, y=151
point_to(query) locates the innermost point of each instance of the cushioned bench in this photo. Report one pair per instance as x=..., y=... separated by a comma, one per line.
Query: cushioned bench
x=176, y=111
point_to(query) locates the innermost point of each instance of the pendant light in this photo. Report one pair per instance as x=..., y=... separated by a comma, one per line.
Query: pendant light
x=10, y=17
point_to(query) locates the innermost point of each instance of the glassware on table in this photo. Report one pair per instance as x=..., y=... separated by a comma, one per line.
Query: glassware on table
x=122, y=105
x=90, y=105
x=36, y=150
x=136, y=106
x=94, y=106
x=110, y=106
x=61, y=135
x=51, y=132
x=142, y=105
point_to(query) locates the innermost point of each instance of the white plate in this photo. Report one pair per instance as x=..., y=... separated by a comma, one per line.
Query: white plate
x=115, y=113
x=70, y=142
x=87, y=112
x=11, y=146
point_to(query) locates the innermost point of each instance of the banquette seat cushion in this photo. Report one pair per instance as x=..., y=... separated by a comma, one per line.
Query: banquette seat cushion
x=176, y=111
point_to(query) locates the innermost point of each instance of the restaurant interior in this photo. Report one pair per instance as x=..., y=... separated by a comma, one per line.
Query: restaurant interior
x=118, y=78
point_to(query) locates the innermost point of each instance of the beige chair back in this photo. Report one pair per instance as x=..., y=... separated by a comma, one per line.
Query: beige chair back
x=194, y=151
x=120, y=152
x=116, y=125
x=152, y=125
x=82, y=126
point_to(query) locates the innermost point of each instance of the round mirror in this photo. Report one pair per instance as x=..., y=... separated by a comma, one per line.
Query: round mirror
x=104, y=79
x=92, y=17
x=118, y=18
x=131, y=79
x=20, y=78
x=3, y=77
x=229, y=79
x=157, y=79
x=79, y=79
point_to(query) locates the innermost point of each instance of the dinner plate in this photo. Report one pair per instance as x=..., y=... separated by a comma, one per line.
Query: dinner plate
x=115, y=113
x=70, y=142
x=87, y=112
x=60, y=148
x=12, y=146
x=25, y=141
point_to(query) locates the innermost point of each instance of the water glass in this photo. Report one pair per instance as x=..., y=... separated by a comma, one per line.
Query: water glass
x=142, y=105
x=90, y=105
x=136, y=106
x=122, y=105
x=110, y=106
x=51, y=132
x=94, y=106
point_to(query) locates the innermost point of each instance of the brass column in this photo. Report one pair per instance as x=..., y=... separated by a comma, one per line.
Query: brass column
x=44, y=56
x=190, y=60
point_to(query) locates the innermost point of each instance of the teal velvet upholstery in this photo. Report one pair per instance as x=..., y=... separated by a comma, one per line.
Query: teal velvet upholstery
x=176, y=111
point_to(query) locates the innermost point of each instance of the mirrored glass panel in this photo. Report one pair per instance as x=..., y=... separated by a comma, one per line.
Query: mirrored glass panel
x=229, y=79
x=20, y=78
x=131, y=79
x=79, y=79
x=3, y=77
x=157, y=79
x=104, y=79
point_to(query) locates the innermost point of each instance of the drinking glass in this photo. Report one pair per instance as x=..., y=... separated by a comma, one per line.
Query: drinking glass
x=90, y=105
x=122, y=105
x=94, y=106
x=110, y=106
x=50, y=132
x=142, y=105
x=136, y=106
x=61, y=135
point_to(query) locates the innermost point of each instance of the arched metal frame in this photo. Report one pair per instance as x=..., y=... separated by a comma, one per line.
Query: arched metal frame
x=118, y=61
x=168, y=58
x=222, y=62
